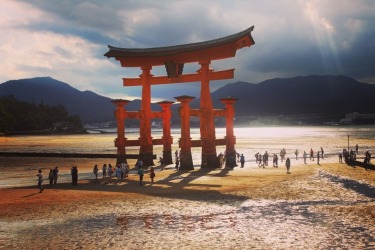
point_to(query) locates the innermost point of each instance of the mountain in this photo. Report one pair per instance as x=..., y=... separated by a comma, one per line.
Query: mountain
x=300, y=95
x=327, y=97
x=89, y=106
x=86, y=104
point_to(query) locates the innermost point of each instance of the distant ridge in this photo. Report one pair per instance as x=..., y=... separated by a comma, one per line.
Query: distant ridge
x=89, y=106
x=332, y=96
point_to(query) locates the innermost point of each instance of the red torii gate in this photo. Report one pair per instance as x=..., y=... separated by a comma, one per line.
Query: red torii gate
x=174, y=58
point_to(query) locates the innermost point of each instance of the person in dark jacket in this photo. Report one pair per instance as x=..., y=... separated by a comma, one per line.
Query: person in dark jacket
x=74, y=172
x=287, y=164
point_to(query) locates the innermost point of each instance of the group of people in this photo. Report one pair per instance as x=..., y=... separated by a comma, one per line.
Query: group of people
x=262, y=160
x=52, y=176
x=223, y=160
x=120, y=172
x=350, y=157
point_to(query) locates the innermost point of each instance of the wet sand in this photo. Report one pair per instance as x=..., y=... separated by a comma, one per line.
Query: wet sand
x=316, y=207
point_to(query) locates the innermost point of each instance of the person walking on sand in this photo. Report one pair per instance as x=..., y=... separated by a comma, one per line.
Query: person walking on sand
x=110, y=172
x=296, y=153
x=221, y=159
x=318, y=156
x=275, y=161
x=118, y=174
x=95, y=171
x=161, y=163
x=287, y=164
x=126, y=167
x=356, y=148
x=304, y=156
x=242, y=160
x=311, y=154
x=55, y=175
x=176, y=154
x=322, y=152
x=152, y=175
x=140, y=173
x=260, y=162
x=282, y=154
x=50, y=177
x=74, y=173
x=104, y=169
x=177, y=163
x=40, y=180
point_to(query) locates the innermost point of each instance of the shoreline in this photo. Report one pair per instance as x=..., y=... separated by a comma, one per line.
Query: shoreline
x=204, y=204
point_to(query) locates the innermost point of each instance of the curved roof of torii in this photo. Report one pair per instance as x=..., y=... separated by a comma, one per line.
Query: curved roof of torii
x=216, y=49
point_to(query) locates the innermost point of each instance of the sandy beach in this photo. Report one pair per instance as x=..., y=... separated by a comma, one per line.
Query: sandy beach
x=315, y=207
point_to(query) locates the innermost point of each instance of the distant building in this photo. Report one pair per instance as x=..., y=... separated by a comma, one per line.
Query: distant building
x=357, y=118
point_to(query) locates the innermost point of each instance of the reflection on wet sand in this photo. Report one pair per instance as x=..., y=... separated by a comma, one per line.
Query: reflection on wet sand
x=317, y=208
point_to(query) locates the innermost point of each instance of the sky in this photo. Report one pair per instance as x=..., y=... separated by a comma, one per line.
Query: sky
x=67, y=39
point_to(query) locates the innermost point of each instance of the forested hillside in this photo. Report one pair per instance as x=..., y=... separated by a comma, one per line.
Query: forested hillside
x=22, y=117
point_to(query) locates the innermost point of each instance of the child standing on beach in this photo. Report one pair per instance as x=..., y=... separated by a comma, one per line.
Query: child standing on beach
x=40, y=180
x=140, y=173
x=152, y=175
x=95, y=171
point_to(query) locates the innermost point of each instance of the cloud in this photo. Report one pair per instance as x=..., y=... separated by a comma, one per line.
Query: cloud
x=67, y=39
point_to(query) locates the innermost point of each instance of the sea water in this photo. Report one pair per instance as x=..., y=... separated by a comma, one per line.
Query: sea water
x=249, y=141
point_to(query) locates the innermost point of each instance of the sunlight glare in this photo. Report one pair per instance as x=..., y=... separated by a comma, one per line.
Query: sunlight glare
x=325, y=38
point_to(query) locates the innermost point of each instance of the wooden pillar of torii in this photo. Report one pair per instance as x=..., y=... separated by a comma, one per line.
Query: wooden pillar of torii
x=186, y=160
x=174, y=58
x=230, y=139
x=120, y=114
x=167, y=138
x=121, y=141
x=145, y=139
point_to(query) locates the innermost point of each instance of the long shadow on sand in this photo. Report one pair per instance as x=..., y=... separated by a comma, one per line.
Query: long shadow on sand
x=361, y=188
x=177, y=185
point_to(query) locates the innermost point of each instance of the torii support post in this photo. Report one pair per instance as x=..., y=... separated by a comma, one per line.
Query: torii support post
x=207, y=122
x=120, y=141
x=167, y=138
x=145, y=139
x=230, y=154
x=186, y=160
